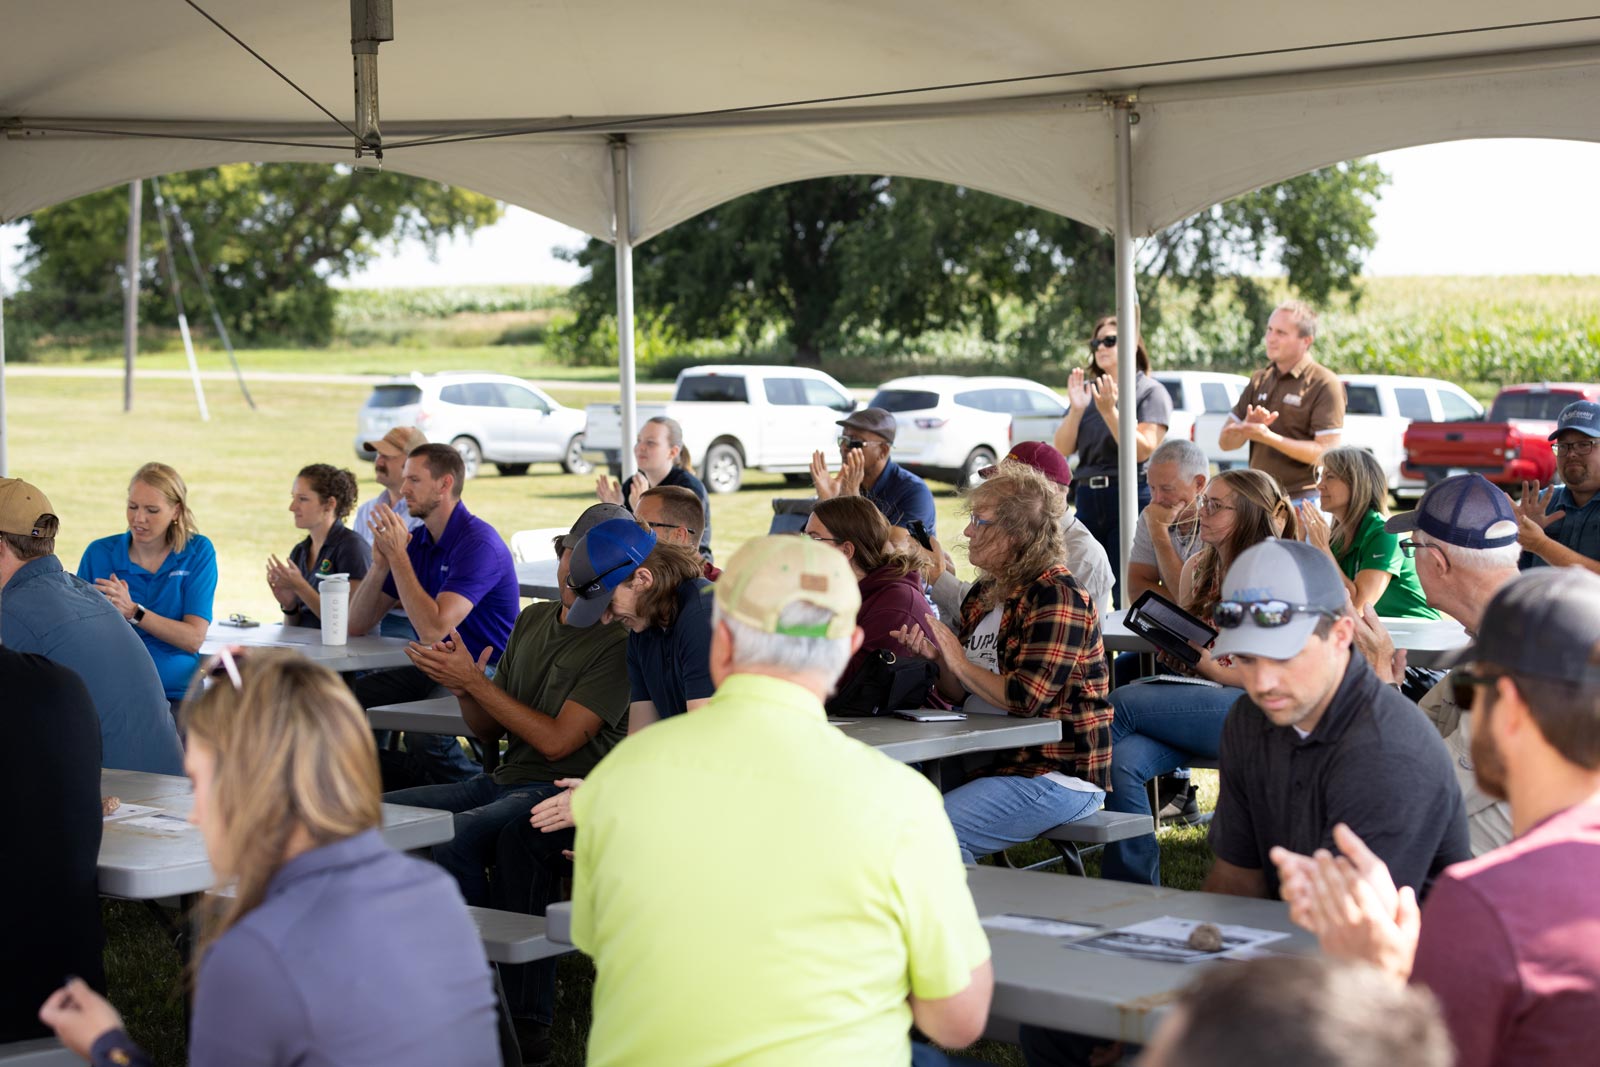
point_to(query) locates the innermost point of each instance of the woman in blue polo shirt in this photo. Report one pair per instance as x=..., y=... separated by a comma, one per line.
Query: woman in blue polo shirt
x=161, y=574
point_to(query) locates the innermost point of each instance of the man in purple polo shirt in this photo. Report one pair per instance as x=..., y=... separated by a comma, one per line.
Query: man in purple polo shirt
x=454, y=573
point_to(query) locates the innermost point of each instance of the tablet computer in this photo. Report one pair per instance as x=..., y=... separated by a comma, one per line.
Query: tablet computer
x=1168, y=627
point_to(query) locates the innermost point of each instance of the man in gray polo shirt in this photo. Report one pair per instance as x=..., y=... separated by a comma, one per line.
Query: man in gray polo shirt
x=1318, y=740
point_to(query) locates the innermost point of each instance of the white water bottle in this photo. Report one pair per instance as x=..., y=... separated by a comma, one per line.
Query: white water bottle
x=335, y=594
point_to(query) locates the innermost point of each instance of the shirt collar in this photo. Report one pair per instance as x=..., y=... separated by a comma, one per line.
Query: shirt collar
x=35, y=568
x=351, y=851
x=1299, y=369
x=1350, y=694
x=769, y=692
x=891, y=473
x=459, y=517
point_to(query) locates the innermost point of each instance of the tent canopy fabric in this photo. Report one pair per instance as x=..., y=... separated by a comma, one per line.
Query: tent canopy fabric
x=1227, y=97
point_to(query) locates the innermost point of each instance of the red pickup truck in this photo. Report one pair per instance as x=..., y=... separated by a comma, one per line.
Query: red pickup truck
x=1508, y=446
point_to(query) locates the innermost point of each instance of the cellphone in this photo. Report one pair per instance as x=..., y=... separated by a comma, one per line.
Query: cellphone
x=919, y=533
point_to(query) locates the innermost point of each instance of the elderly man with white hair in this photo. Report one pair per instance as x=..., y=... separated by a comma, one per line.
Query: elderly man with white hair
x=1168, y=532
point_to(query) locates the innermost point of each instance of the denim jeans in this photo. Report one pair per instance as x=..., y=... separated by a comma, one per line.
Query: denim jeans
x=527, y=878
x=1002, y=810
x=482, y=807
x=392, y=625
x=429, y=759
x=1158, y=727
x=1100, y=511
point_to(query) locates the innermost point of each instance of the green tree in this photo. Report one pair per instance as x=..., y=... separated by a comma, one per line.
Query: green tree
x=828, y=261
x=270, y=237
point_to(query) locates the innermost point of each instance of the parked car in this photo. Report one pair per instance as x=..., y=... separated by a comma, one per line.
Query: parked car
x=488, y=418
x=949, y=428
x=1378, y=409
x=733, y=417
x=1508, y=447
x=1195, y=392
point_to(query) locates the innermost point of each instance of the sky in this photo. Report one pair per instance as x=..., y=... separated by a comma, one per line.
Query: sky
x=1467, y=207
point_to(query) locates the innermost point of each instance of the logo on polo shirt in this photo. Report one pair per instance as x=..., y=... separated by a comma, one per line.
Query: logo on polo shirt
x=326, y=567
x=1292, y=399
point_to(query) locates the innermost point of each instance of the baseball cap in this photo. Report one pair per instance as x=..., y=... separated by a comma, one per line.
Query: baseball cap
x=1468, y=511
x=1292, y=573
x=25, y=511
x=399, y=441
x=1544, y=623
x=872, y=420
x=1583, y=416
x=603, y=559
x=768, y=574
x=1041, y=457
x=592, y=516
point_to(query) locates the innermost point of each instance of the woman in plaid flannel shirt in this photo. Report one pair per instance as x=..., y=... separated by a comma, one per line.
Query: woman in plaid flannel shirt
x=1029, y=645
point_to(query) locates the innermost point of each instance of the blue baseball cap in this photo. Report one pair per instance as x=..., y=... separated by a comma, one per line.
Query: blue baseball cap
x=1583, y=416
x=606, y=557
x=1467, y=511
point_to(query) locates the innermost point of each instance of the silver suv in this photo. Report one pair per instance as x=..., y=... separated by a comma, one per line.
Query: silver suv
x=488, y=418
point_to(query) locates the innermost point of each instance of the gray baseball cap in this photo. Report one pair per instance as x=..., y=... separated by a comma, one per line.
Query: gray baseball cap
x=1285, y=574
x=1543, y=624
x=592, y=517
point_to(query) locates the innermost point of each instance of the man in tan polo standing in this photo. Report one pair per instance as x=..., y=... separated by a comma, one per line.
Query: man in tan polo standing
x=1293, y=410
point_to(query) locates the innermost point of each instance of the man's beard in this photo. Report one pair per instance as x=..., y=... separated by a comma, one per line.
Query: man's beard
x=1488, y=768
x=422, y=508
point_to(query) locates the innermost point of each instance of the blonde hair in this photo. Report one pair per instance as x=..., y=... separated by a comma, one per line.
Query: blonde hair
x=1027, y=509
x=293, y=751
x=1301, y=314
x=169, y=483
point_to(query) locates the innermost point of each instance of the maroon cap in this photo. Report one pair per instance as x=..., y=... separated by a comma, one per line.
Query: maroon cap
x=1042, y=458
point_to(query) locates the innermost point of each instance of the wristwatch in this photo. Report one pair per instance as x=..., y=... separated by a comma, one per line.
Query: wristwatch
x=138, y=614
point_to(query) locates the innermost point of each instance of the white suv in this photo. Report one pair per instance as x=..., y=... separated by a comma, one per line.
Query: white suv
x=950, y=428
x=488, y=418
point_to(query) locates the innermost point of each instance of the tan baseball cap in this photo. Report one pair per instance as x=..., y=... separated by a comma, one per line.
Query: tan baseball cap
x=25, y=511
x=768, y=574
x=399, y=441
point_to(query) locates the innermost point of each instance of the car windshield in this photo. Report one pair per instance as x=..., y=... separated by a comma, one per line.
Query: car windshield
x=713, y=388
x=394, y=396
x=1541, y=406
x=904, y=400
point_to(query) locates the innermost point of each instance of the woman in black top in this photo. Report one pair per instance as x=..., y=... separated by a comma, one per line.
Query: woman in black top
x=1090, y=429
x=322, y=497
x=663, y=459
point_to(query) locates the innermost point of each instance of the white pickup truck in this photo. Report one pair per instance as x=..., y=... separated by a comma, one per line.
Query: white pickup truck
x=1378, y=408
x=733, y=417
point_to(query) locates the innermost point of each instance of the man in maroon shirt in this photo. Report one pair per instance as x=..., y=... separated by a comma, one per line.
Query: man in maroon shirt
x=1509, y=942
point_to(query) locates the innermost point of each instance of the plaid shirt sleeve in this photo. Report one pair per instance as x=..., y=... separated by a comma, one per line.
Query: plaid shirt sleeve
x=1055, y=667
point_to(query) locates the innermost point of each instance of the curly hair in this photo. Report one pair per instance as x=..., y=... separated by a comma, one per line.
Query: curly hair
x=1261, y=510
x=1027, y=511
x=328, y=482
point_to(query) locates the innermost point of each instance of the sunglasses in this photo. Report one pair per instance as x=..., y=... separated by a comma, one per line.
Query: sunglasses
x=1463, y=682
x=1267, y=614
x=848, y=443
x=590, y=590
x=1108, y=341
x=225, y=664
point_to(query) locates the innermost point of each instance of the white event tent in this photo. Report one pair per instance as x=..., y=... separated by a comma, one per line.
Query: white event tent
x=1127, y=116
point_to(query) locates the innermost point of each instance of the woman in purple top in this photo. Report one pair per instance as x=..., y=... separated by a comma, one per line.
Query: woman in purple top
x=333, y=949
x=891, y=582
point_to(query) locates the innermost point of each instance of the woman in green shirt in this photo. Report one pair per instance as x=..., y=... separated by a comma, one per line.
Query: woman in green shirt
x=1377, y=573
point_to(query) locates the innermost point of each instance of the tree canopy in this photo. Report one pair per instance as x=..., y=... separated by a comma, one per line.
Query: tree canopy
x=269, y=236
x=824, y=262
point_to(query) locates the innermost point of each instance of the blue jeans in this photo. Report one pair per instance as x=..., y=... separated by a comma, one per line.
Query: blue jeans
x=483, y=807
x=1099, y=510
x=1158, y=727
x=392, y=625
x=1002, y=810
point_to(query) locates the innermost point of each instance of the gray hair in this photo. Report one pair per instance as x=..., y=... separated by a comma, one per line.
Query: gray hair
x=1189, y=457
x=823, y=656
x=1504, y=558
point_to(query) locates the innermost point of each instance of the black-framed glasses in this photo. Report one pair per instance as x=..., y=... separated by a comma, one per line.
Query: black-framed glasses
x=592, y=589
x=848, y=443
x=1268, y=614
x=1108, y=341
x=1409, y=546
x=1574, y=448
x=1464, y=681
x=671, y=526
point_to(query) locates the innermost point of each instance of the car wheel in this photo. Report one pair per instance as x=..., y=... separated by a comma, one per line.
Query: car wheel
x=977, y=461
x=471, y=455
x=512, y=470
x=723, y=469
x=575, y=462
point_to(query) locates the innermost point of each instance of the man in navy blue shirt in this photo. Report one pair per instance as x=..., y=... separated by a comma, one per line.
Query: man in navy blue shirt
x=1560, y=527
x=866, y=470
x=453, y=573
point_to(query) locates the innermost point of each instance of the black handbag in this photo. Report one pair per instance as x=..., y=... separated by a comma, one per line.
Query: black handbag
x=885, y=684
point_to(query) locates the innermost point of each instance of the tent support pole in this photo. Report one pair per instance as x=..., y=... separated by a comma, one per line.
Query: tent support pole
x=130, y=293
x=622, y=205
x=1128, y=330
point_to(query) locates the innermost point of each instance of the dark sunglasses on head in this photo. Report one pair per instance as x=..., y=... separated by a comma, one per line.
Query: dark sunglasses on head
x=1463, y=681
x=592, y=589
x=1267, y=614
x=1108, y=341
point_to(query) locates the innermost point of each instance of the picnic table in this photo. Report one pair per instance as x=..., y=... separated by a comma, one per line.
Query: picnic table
x=536, y=578
x=365, y=653
x=1426, y=641
x=142, y=863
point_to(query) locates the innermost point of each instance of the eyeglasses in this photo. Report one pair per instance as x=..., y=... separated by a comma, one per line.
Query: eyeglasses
x=829, y=540
x=847, y=443
x=592, y=589
x=1464, y=681
x=1574, y=448
x=1108, y=341
x=1409, y=546
x=1268, y=614
x=671, y=526
x=1206, y=505
x=979, y=521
